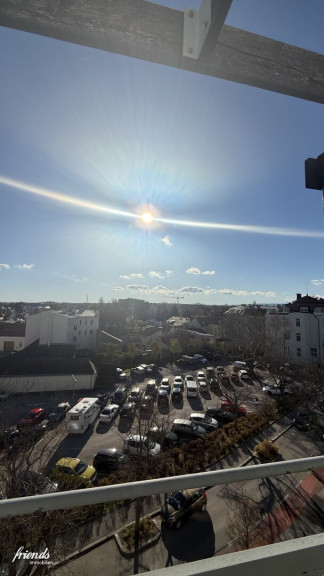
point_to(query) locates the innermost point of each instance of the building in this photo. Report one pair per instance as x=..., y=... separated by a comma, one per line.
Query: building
x=50, y=327
x=300, y=326
x=12, y=336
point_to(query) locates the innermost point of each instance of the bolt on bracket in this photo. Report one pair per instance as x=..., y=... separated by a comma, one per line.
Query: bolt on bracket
x=195, y=29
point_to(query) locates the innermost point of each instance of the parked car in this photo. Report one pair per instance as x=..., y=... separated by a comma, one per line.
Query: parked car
x=163, y=399
x=127, y=411
x=59, y=412
x=108, y=460
x=177, y=381
x=219, y=369
x=165, y=438
x=176, y=393
x=186, y=430
x=109, y=413
x=219, y=414
x=203, y=385
x=34, y=416
x=137, y=445
x=8, y=436
x=232, y=407
x=151, y=389
x=123, y=376
x=188, y=378
x=180, y=505
x=73, y=473
x=304, y=419
x=119, y=396
x=30, y=483
x=103, y=398
x=165, y=385
x=135, y=396
x=210, y=424
x=210, y=371
x=146, y=407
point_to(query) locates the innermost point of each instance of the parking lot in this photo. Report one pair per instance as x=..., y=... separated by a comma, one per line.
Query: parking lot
x=113, y=434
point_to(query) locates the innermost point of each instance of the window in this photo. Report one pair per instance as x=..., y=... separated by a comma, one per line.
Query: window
x=74, y=339
x=297, y=321
x=91, y=331
x=298, y=338
x=298, y=351
x=75, y=328
x=79, y=332
x=80, y=322
x=303, y=309
x=91, y=321
x=85, y=332
x=86, y=322
x=314, y=352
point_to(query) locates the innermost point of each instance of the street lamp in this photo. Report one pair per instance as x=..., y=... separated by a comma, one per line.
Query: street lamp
x=74, y=381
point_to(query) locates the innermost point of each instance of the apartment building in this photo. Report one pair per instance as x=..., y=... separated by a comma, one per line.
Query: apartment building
x=299, y=325
x=52, y=327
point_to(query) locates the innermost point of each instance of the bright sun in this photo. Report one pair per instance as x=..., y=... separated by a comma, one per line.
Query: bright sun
x=147, y=217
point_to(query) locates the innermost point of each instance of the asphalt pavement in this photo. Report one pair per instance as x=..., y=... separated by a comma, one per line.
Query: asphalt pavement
x=293, y=507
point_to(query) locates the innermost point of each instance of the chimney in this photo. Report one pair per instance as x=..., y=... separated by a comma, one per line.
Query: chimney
x=298, y=296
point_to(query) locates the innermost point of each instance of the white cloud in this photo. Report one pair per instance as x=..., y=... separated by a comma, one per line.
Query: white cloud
x=4, y=267
x=193, y=270
x=166, y=240
x=130, y=276
x=154, y=274
x=190, y=290
x=197, y=271
x=318, y=282
x=24, y=266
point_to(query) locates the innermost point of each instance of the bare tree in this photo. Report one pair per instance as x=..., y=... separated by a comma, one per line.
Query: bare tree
x=243, y=520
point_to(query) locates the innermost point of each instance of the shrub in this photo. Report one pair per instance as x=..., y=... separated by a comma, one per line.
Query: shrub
x=267, y=450
x=147, y=530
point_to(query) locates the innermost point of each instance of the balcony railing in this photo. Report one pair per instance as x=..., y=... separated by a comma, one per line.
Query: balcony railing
x=302, y=556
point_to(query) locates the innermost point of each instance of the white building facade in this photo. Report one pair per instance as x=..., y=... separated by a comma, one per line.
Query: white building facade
x=302, y=327
x=50, y=327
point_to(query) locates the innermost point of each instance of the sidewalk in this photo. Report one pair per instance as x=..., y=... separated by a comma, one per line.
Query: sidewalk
x=276, y=525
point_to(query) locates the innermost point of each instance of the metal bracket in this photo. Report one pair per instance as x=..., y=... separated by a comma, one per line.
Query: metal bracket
x=195, y=29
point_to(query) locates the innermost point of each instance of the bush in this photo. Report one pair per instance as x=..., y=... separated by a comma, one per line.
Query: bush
x=147, y=530
x=266, y=450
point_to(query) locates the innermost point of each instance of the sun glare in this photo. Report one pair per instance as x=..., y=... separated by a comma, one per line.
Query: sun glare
x=147, y=217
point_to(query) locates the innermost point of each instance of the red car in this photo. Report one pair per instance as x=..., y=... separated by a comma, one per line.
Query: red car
x=231, y=407
x=33, y=417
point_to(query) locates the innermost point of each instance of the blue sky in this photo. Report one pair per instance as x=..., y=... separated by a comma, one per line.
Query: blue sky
x=92, y=140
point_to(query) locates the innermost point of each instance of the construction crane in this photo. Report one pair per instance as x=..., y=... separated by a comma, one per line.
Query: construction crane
x=177, y=298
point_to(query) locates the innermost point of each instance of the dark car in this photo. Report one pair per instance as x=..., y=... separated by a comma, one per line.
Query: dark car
x=163, y=399
x=165, y=438
x=151, y=389
x=34, y=416
x=304, y=419
x=119, y=396
x=186, y=430
x=108, y=460
x=8, y=436
x=176, y=393
x=135, y=395
x=146, y=407
x=219, y=414
x=59, y=412
x=103, y=398
x=127, y=411
x=182, y=504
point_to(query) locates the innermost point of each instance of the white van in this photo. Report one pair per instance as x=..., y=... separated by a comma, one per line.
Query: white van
x=192, y=389
x=81, y=416
x=238, y=365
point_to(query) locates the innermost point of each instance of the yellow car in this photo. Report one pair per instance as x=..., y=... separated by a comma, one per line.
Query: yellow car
x=73, y=473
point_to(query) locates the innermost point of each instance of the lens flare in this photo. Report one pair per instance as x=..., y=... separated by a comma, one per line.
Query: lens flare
x=146, y=215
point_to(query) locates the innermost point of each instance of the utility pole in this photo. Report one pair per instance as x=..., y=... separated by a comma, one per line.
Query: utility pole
x=314, y=175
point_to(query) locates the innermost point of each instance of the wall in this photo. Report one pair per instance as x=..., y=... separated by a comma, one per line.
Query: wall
x=44, y=383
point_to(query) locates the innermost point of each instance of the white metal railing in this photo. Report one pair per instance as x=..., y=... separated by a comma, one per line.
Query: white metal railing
x=131, y=490
x=291, y=558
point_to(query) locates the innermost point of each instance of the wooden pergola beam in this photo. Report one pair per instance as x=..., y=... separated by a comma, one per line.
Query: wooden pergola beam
x=140, y=29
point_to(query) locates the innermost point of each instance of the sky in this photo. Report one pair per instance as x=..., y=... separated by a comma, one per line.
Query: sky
x=91, y=141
